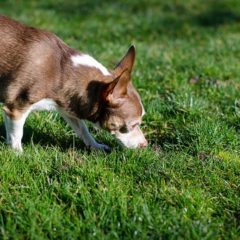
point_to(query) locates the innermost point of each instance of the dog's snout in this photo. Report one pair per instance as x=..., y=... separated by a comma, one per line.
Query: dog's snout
x=133, y=139
x=143, y=144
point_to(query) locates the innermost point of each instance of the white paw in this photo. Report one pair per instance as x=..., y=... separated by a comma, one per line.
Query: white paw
x=16, y=146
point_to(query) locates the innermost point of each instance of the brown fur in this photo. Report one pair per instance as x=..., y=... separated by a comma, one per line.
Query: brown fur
x=36, y=64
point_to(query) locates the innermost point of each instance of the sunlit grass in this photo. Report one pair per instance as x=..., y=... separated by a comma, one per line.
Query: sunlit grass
x=186, y=184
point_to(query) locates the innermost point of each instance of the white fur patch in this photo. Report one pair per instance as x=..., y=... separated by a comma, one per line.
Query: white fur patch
x=46, y=104
x=14, y=128
x=132, y=139
x=89, y=61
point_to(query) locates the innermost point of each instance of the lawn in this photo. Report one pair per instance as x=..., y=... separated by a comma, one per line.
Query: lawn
x=186, y=184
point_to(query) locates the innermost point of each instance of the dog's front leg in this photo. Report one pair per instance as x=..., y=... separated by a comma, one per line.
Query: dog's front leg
x=14, y=131
x=88, y=139
x=81, y=130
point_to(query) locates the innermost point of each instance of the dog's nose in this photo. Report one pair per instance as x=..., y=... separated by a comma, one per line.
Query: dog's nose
x=143, y=144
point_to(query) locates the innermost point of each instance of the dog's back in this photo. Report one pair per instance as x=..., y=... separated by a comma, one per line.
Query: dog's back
x=29, y=57
x=11, y=43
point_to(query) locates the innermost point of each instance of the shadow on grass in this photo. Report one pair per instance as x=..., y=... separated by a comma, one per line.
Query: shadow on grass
x=77, y=8
x=45, y=139
x=123, y=21
x=35, y=136
x=172, y=17
x=216, y=14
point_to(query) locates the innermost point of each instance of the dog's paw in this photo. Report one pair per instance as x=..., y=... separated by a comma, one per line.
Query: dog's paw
x=16, y=146
x=101, y=147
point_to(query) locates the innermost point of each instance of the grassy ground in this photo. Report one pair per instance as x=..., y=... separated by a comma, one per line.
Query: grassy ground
x=186, y=184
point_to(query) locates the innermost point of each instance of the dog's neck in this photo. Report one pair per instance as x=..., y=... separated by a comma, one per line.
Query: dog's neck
x=84, y=80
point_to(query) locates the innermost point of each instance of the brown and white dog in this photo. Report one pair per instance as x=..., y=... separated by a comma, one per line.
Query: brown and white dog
x=38, y=71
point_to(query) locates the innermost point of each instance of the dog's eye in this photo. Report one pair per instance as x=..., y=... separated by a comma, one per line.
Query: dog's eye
x=123, y=129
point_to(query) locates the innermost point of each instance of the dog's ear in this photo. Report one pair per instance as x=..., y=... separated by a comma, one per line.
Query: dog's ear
x=126, y=62
x=117, y=89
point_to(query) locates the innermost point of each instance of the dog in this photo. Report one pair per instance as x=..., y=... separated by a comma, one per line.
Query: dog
x=38, y=71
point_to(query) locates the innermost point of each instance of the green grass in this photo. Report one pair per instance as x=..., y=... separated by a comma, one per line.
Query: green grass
x=186, y=184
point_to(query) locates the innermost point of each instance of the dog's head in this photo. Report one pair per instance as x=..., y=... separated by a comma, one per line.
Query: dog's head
x=123, y=110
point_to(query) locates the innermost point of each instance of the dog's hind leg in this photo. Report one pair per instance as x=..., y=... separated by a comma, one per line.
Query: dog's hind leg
x=81, y=130
x=6, y=123
x=14, y=129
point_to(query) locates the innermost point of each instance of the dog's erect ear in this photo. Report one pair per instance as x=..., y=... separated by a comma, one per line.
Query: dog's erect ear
x=117, y=89
x=126, y=62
